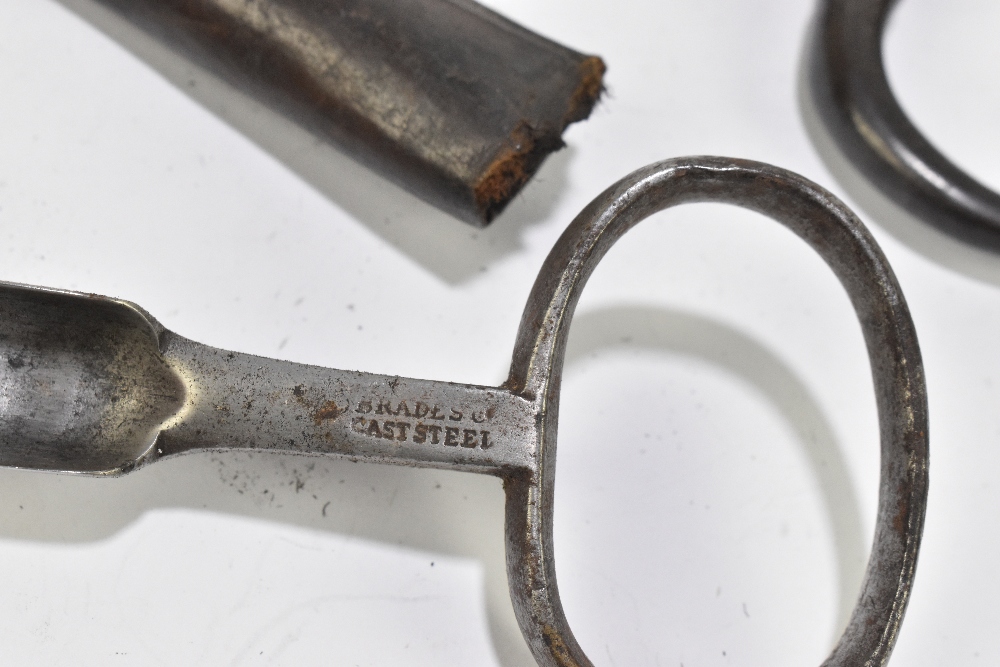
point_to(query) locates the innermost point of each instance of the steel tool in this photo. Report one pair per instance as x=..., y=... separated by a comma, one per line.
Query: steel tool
x=862, y=114
x=96, y=386
x=447, y=98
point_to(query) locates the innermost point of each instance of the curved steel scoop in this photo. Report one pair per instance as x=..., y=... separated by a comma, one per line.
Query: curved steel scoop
x=94, y=385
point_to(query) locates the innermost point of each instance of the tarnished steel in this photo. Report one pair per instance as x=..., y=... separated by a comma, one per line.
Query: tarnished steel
x=450, y=100
x=853, y=97
x=96, y=386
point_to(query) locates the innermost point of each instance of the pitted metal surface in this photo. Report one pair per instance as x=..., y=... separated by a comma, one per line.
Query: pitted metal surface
x=238, y=400
x=96, y=386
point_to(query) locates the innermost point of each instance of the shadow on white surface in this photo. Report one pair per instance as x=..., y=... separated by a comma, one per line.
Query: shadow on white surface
x=436, y=512
x=720, y=345
x=878, y=209
x=448, y=248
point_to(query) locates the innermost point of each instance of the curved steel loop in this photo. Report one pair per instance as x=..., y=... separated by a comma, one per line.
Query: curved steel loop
x=842, y=240
x=853, y=97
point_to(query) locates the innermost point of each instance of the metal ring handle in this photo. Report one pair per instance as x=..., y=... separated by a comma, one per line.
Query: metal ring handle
x=841, y=239
x=854, y=99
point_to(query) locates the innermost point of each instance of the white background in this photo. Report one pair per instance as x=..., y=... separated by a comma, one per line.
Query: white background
x=718, y=459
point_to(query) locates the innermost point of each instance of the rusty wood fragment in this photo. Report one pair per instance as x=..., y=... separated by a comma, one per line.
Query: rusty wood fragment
x=446, y=98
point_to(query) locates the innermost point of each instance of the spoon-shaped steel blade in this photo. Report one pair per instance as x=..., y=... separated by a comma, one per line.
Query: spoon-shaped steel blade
x=83, y=387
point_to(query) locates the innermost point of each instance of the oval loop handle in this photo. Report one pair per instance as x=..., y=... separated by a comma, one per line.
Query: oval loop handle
x=833, y=231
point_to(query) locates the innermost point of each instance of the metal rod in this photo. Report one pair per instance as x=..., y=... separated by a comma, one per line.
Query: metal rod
x=240, y=401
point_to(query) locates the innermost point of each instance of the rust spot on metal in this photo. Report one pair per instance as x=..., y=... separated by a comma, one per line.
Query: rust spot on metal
x=511, y=168
x=586, y=95
x=557, y=647
x=328, y=410
x=899, y=521
x=528, y=144
x=325, y=411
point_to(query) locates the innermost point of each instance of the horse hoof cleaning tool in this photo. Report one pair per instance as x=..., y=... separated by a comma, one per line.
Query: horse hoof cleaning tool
x=96, y=386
